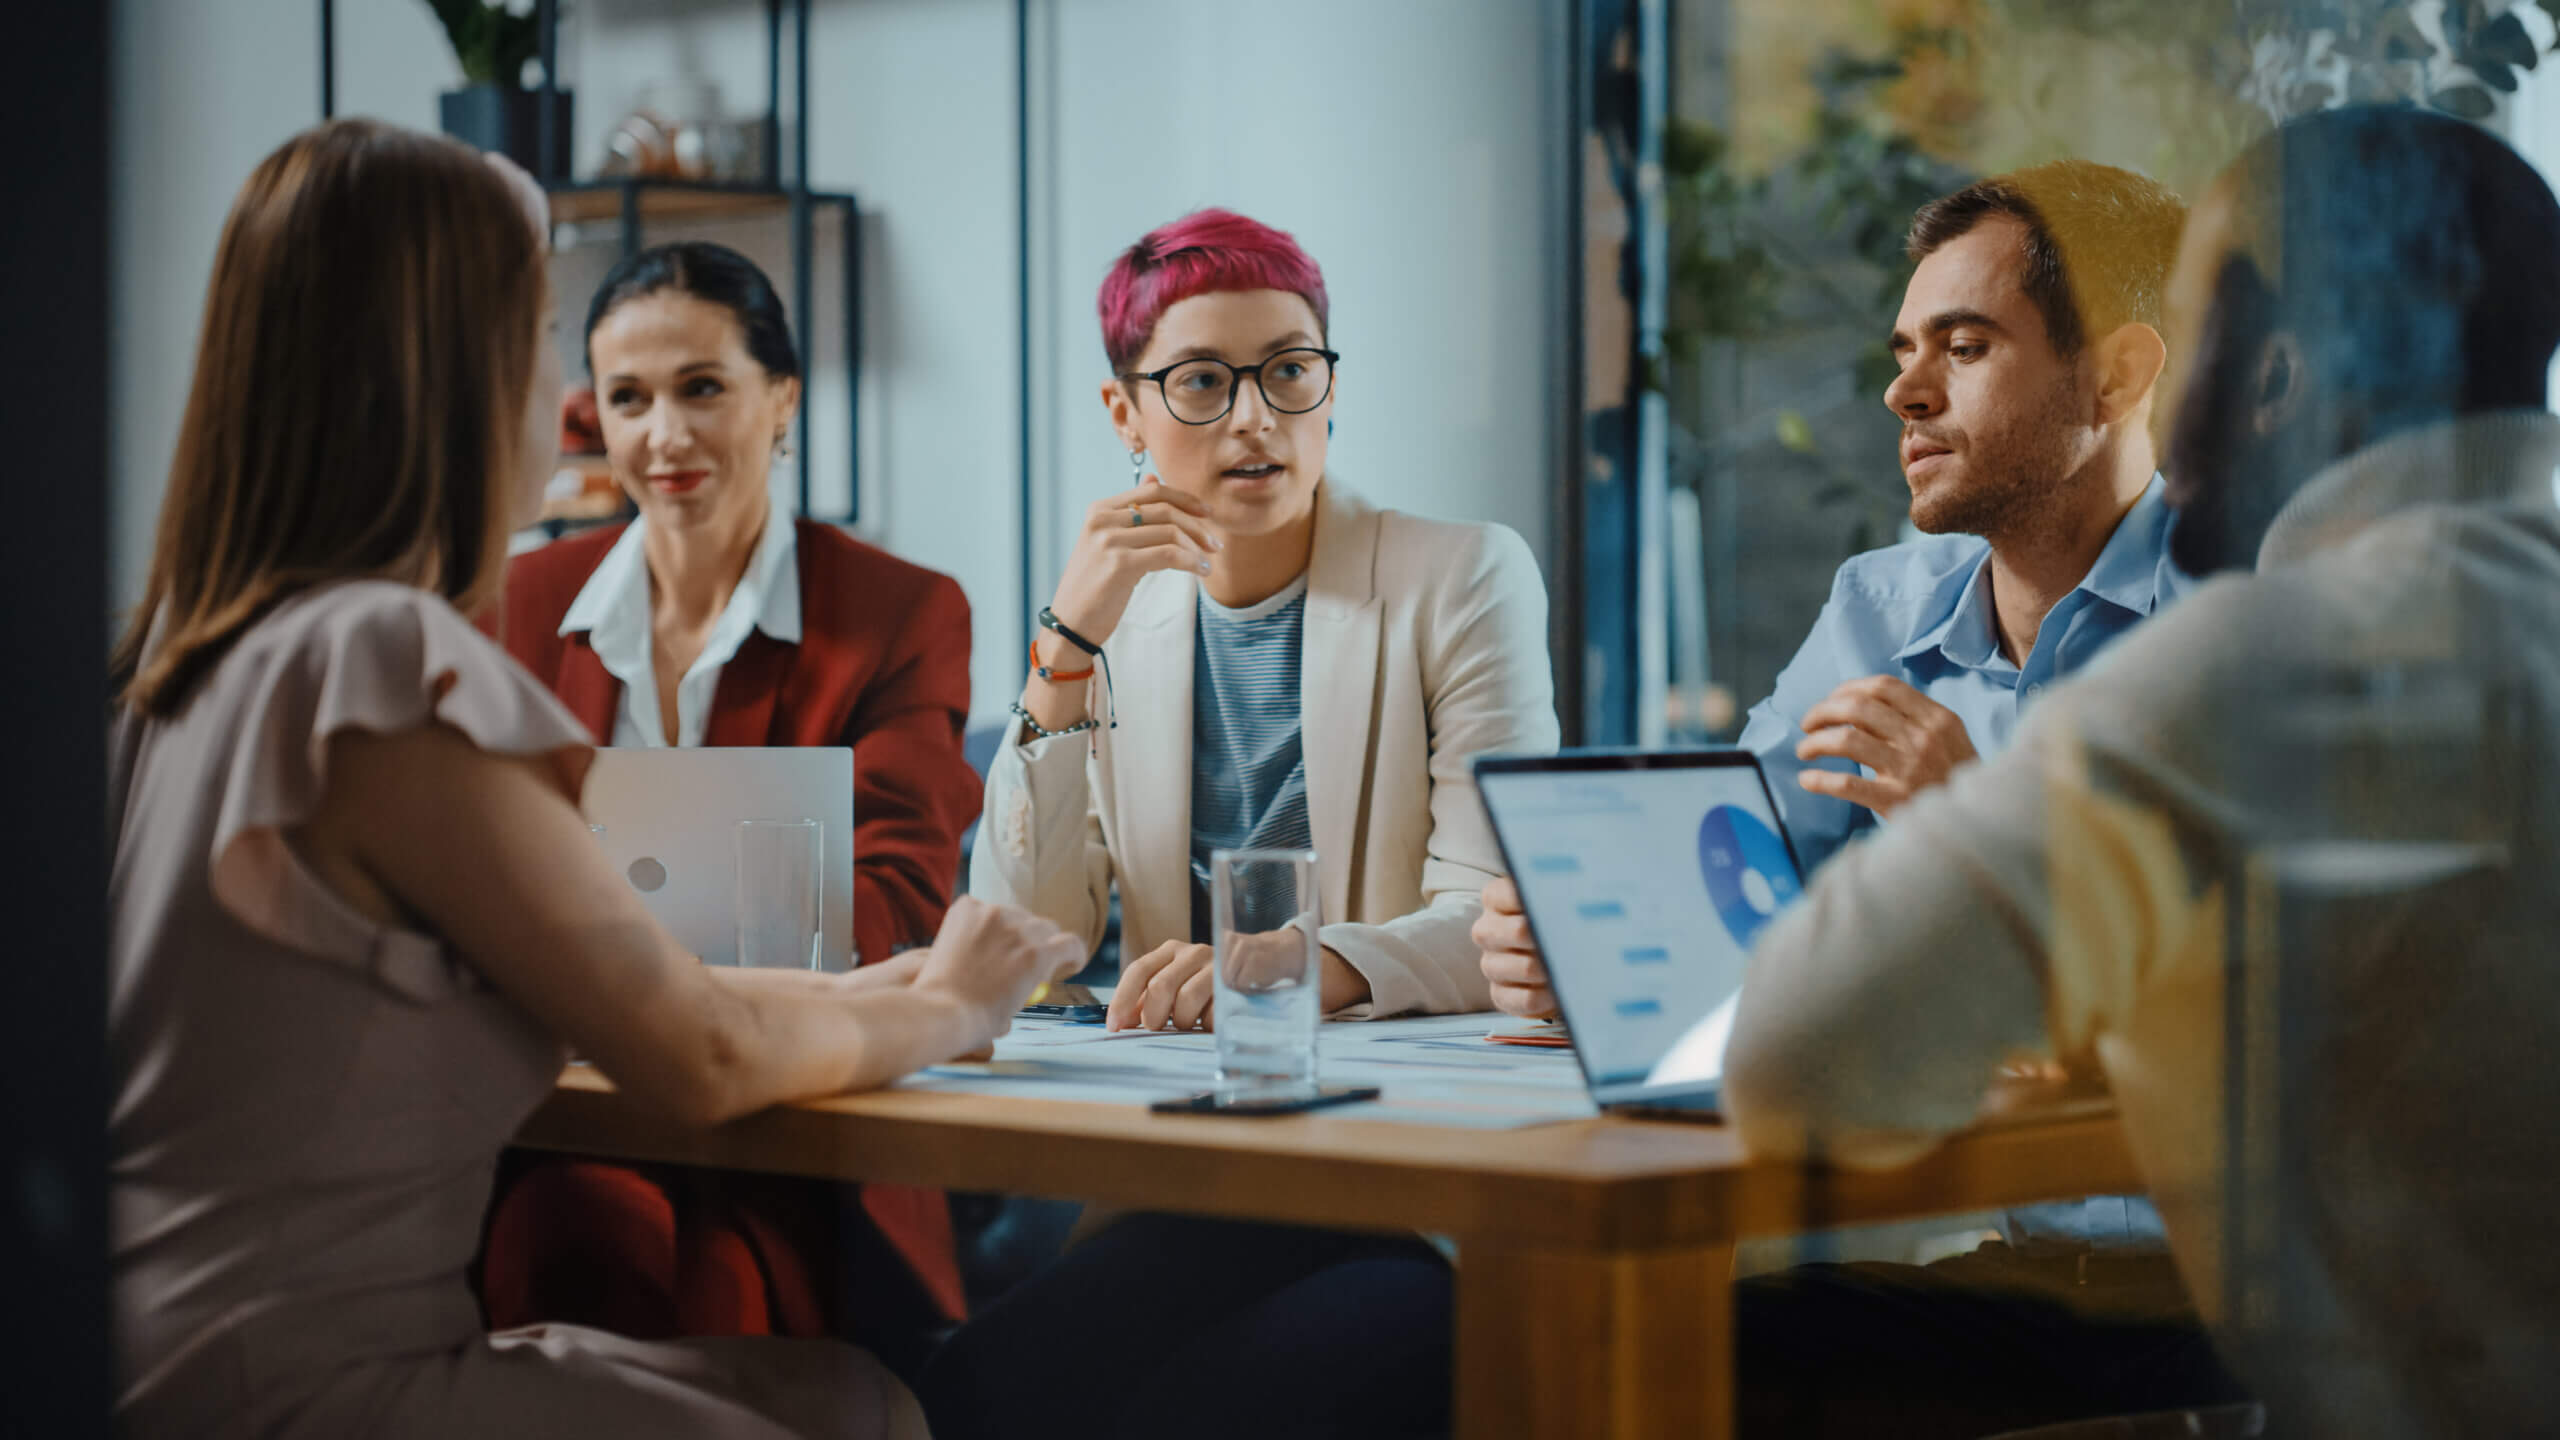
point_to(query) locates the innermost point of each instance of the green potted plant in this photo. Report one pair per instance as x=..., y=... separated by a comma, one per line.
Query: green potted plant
x=496, y=40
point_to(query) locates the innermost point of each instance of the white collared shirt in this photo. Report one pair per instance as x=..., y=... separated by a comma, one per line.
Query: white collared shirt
x=613, y=610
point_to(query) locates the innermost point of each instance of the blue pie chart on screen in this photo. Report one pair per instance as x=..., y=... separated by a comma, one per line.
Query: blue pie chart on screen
x=1749, y=875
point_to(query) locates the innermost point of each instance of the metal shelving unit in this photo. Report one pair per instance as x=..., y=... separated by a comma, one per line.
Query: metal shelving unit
x=634, y=202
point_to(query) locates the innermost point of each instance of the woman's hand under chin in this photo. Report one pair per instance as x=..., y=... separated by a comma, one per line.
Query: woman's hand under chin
x=1126, y=538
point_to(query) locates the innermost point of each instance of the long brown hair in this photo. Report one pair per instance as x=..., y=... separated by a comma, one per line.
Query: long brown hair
x=358, y=399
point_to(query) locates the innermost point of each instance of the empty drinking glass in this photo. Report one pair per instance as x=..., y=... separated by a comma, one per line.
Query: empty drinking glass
x=1263, y=909
x=777, y=893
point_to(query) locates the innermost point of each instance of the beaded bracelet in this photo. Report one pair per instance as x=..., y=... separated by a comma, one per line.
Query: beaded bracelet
x=1043, y=732
x=1049, y=620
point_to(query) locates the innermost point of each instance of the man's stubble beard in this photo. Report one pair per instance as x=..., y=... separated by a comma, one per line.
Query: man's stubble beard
x=2013, y=484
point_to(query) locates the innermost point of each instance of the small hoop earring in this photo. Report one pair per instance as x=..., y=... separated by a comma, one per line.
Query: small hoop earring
x=782, y=444
x=1137, y=466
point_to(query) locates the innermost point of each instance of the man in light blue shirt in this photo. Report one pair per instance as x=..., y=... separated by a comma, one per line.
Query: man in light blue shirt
x=1906, y=671
x=2045, y=537
x=2025, y=393
x=2285, y=864
x=1921, y=614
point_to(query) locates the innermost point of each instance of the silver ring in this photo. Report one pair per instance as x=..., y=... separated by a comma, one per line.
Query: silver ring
x=1137, y=517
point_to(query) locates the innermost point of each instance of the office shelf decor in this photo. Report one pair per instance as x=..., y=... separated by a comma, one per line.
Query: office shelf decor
x=500, y=41
x=495, y=41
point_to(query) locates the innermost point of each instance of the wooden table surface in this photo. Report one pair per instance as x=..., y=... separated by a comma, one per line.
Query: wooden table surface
x=1594, y=1290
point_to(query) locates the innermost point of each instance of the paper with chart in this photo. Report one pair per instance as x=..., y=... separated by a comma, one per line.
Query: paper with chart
x=1435, y=1070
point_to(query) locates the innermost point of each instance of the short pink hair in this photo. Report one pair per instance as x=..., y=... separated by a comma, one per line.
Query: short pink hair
x=1203, y=252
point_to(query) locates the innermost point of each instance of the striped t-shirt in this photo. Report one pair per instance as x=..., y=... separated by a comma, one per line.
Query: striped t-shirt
x=1248, y=760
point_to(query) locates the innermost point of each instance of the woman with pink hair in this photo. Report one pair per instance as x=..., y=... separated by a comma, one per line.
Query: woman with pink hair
x=1242, y=654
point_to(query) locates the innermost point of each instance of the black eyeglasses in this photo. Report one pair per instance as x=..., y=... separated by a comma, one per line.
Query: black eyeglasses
x=1200, y=392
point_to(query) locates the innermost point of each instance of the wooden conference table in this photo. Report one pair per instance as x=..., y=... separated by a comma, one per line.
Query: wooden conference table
x=1594, y=1284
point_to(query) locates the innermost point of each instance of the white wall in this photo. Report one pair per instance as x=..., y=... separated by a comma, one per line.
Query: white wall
x=1400, y=142
x=1402, y=145
x=201, y=93
x=195, y=104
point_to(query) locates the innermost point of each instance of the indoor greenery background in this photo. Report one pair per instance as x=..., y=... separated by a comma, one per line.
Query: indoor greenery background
x=1786, y=210
x=493, y=39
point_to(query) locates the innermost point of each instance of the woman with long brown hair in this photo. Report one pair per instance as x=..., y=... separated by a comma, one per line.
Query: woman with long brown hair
x=355, y=912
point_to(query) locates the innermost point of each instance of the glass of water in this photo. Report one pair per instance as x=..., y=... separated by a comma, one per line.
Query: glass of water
x=777, y=893
x=1264, y=912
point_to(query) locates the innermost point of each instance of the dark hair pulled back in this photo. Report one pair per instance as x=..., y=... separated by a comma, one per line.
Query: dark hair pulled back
x=707, y=272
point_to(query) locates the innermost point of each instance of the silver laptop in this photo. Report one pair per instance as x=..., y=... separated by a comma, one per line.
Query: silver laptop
x=671, y=817
x=1646, y=877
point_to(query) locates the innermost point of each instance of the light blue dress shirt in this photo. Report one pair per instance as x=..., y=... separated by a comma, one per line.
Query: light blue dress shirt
x=1921, y=612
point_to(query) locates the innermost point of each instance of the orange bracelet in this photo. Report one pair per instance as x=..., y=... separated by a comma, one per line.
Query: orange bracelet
x=1056, y=677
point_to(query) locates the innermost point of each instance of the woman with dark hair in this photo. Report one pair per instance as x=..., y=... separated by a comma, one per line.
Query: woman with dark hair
x=704, y=623
x=714, y=619
x=355, y=914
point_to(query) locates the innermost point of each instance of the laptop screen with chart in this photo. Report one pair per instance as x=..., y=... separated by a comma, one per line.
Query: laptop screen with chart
x=1646, y=878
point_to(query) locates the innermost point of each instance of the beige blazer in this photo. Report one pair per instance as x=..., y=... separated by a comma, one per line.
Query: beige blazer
x=1426, y=646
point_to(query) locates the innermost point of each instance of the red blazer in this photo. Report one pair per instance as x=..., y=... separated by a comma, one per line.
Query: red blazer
x=882, y=665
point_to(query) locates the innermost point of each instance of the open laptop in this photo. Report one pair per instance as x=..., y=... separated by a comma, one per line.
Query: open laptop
x=670, y=819
x=1646, y=877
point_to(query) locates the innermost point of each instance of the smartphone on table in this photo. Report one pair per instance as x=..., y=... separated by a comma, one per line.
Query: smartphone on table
x=1069, y=1002
x=1212, y=1102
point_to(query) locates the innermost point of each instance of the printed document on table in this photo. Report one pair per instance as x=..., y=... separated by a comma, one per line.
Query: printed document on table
x=1433, y=1070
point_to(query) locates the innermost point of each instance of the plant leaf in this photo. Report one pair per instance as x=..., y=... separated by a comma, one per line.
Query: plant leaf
x=2504, y=41
x=457, y=16
x=2495, y=76
x=2468, y=102
x=1690, y=147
